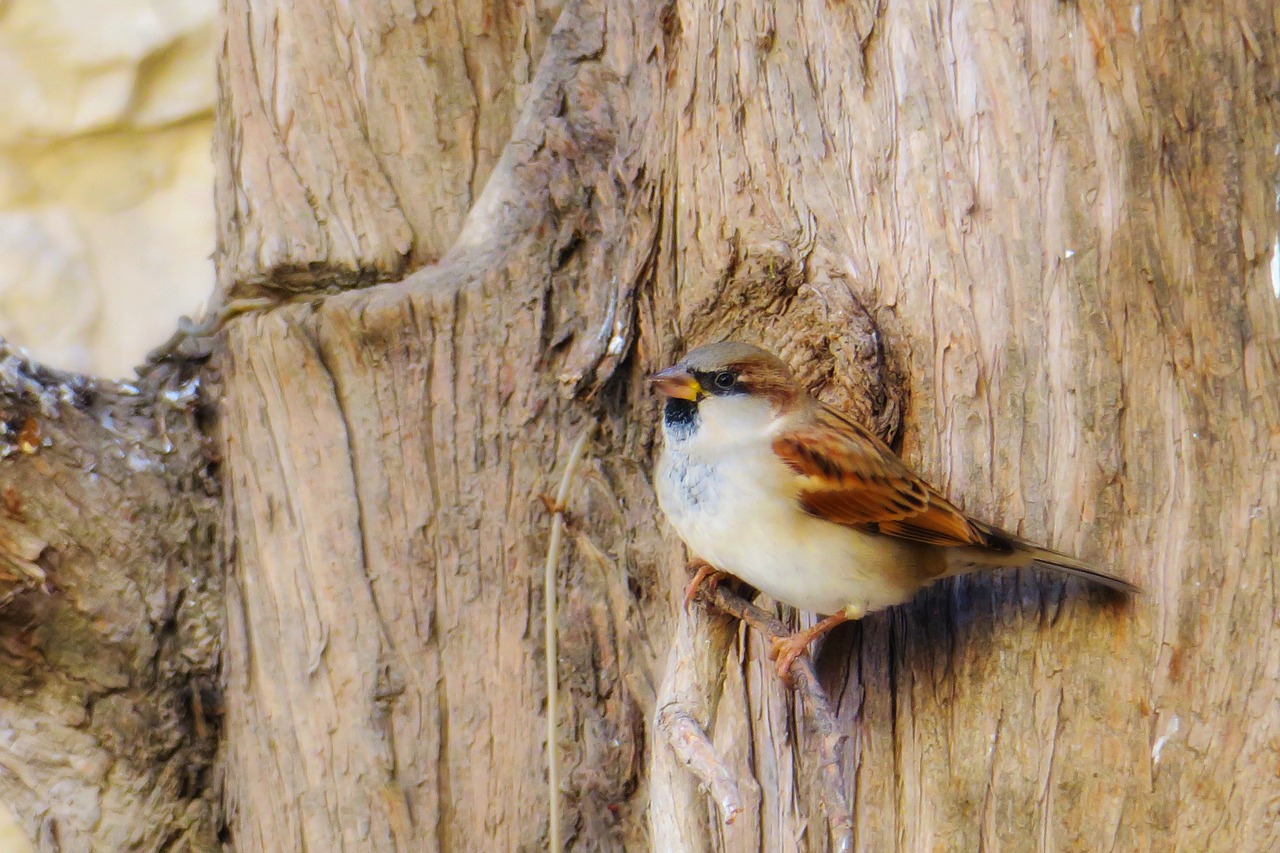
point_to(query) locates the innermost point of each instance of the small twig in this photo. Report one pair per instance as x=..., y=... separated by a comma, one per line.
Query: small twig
x=184, y=341
x=550, y=648
x=693, y=747
x=821, y=712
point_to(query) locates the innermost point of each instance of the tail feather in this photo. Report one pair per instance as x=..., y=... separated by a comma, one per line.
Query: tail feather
x=1006, y=548
x=1071, y=566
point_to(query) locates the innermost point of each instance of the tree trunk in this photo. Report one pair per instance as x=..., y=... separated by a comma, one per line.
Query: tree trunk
x=1037, y=243
x=1050, y=219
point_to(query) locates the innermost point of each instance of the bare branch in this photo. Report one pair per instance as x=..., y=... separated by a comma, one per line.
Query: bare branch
x=694, y=749
x=687, y=702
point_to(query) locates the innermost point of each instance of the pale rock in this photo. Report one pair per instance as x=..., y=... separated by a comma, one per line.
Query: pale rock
x=106, y=203
x=12, y=838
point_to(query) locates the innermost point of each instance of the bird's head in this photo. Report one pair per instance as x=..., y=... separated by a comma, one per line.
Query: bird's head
x=732, y=390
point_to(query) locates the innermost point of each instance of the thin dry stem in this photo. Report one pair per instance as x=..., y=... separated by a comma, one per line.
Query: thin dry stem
x=550, y=649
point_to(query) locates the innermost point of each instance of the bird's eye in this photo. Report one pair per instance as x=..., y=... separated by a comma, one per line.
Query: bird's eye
x=724, y=380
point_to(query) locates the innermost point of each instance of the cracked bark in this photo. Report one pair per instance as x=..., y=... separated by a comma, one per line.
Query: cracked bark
x=1026, y=217
x=1052, y=224
x=110, y=609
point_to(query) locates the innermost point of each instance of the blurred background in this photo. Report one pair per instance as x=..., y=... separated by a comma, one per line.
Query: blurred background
x=106, y=184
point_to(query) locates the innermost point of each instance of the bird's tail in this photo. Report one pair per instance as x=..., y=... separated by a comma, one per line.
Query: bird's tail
x=1005, y=549
x=1069, y=565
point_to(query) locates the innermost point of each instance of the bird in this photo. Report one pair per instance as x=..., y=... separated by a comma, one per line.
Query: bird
x=766, y=483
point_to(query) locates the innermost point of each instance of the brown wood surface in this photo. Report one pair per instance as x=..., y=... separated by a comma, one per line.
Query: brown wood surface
x=110, y=610
x=385, y=451
x=353, y=138
x=1035, y=235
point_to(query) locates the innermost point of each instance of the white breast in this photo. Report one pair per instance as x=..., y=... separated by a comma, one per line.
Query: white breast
x=732, y=507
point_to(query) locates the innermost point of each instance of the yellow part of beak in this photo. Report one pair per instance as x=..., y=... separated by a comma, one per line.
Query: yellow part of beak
x=677, y=382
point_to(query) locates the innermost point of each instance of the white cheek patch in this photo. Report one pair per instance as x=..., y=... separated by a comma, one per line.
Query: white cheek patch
x=733, y=420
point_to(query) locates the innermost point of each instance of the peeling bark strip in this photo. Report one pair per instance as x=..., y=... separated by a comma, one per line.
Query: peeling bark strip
x=1056, y=219
x=109, y=610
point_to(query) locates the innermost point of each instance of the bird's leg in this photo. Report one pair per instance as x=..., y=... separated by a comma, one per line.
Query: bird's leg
x=785, y=650
x=705, y=573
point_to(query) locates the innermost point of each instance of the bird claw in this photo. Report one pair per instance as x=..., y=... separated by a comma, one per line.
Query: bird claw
x=707, y=575
x=784, y=651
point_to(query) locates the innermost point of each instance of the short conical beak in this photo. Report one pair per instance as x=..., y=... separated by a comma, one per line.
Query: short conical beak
x=677, y=382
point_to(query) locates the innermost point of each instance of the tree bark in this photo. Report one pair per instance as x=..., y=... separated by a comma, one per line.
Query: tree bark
x=1034, y=243
x=1049, y=223
x=385, y=451
x=110, y=610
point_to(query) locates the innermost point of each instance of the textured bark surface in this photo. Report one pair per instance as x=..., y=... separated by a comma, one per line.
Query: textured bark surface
x=1037, y=236
x=353, y=138
x=384, y=455
x=1063, y=214
x=110, y=611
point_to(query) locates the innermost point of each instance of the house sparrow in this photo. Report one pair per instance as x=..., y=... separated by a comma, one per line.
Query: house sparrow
x=764, y=482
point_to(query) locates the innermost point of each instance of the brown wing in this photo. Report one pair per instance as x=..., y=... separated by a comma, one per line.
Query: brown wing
x=853, y=478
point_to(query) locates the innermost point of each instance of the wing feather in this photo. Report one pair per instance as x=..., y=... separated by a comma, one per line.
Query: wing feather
x=851, y=477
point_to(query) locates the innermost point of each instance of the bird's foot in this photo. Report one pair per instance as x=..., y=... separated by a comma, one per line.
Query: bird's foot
x=705, y=574
x=784, y=650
